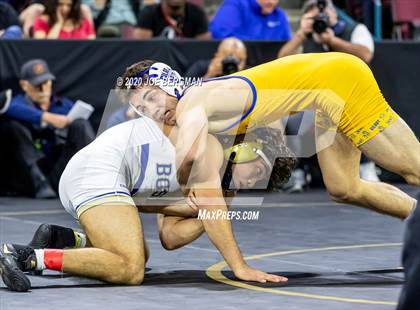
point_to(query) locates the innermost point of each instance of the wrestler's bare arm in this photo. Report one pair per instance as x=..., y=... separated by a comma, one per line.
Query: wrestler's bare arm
x=192, y=144
x=180, y=230
x=208, y=196
x=176, y=232
x=179, y=208
x=205, y=109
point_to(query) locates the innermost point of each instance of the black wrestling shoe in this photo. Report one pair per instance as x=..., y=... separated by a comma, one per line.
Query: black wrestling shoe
x=49, y=236
x=14, y=260
x=42, y=239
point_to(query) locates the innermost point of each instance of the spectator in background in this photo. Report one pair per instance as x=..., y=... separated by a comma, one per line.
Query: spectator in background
x=18, y=5
x=28, y=15
x=5, y=97
x=63, y=19
x=230, y=57
x=9, y=22
x=116, y=18
x=173, y=19
x=36, y=9
x=340, y=34
x=250, y=20
x=33, y=157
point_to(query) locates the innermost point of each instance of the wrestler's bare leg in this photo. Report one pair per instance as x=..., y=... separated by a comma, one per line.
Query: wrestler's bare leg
x=396, y=149
x=117, y=252
x=340, y=170
x=175, y=232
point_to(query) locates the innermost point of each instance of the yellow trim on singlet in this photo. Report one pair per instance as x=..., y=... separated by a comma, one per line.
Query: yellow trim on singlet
x=113, y=200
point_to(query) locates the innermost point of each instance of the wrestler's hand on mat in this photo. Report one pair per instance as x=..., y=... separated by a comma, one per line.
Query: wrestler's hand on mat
x=247, y=273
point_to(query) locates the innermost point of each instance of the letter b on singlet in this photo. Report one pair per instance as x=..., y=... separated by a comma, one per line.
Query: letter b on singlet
x=162, y=183
x=162, y=169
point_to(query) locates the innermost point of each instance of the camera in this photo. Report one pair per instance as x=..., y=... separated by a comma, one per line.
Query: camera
x=321, y=21
x=230, y=64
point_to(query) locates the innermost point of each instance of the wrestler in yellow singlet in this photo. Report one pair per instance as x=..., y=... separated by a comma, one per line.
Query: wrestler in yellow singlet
x=336, y=85
x=293, y=83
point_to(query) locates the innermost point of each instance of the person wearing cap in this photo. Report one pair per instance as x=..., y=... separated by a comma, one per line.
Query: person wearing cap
x=29, y=130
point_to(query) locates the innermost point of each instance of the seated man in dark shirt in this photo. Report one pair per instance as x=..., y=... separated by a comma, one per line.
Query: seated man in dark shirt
x=230, y=57
x=33, y=155
x=172, y=19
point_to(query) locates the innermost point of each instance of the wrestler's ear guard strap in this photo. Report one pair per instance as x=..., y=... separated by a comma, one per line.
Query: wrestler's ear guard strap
x=227, y=176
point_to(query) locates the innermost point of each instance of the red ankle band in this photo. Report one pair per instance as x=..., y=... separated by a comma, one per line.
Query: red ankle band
x=53, y=259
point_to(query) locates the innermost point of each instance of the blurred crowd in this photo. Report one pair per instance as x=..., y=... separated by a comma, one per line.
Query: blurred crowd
x=199, y=19
x=39, y=138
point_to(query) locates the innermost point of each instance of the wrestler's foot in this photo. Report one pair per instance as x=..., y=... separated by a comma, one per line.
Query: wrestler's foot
x=49, y=236
x=297, y=182
x=14, y=260
x=44, y=237
x=368, y=172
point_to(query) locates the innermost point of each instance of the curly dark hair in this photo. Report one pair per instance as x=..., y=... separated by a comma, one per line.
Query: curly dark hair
x=274, y=147
x=279, y=154
x=75, y=11
x=137, y=70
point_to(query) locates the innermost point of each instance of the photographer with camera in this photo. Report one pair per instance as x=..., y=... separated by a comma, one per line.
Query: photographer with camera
x=322, y=30
x=230, y=58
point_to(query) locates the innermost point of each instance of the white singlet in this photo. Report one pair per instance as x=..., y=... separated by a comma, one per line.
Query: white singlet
x=131, y=159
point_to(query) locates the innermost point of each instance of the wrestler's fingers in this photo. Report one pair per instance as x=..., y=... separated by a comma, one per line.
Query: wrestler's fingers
x=191, y=203
x=274, y=278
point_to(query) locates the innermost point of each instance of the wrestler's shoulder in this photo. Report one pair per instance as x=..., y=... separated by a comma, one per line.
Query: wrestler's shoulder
x=212, y=88
x=314, y=58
